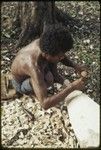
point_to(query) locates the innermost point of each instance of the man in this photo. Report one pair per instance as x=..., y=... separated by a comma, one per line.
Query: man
x=35, y=66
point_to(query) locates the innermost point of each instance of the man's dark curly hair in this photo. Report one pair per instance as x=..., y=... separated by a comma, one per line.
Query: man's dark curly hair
x=55, y=40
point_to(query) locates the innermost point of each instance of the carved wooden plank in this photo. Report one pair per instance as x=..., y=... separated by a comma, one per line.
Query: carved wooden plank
x=84, y=116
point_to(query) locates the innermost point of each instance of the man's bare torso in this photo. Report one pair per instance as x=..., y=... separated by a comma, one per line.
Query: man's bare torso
x=27, y=56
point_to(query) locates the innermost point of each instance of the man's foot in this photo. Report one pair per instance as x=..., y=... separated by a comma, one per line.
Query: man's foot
x=7, y=90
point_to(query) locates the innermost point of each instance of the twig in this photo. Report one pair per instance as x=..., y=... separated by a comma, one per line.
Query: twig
x=29, y=114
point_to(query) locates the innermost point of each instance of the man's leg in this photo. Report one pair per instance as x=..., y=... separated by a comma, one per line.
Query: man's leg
x=8, y=92
x=26, y=87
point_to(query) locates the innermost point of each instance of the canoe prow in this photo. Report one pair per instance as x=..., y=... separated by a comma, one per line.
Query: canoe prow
x=84, y=116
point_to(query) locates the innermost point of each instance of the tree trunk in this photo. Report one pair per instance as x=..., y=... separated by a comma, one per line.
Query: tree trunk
x=32, y=17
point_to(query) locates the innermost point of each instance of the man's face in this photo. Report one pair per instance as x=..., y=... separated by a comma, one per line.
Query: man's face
x=54, y=59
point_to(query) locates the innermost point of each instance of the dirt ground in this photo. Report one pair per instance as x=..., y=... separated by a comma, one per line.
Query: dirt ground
x=52, y=128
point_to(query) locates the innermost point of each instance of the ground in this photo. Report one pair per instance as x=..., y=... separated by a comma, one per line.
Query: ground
x=50, y=128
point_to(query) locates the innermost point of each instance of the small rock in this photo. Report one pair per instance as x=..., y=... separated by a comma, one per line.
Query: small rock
x=74, y=75
x=20, y=141
x=87, y=19
x=58, y=86
x=76, y=57
x=80, y=12
x=93, y=63
x=6, y=58
x=29, y=105
x=91, y=47
x=26, y=126
x=21, y=135
x=86, y=41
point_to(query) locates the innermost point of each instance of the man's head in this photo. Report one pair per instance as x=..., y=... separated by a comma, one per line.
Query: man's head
x=56, y=41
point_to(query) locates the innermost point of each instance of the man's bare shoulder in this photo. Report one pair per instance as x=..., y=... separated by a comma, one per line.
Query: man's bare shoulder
x=32, y=47
x=27, y=57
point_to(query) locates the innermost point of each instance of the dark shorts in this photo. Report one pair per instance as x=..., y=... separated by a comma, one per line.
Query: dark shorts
x=23, y=87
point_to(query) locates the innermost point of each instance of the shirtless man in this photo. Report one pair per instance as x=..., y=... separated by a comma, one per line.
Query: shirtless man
x=35, y=66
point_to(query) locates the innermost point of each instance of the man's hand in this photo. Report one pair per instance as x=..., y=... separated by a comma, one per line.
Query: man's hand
x=78, y=84
x=84, y=74
x=79, y=69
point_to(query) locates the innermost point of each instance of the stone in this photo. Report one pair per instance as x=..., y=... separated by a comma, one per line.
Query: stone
x=21, y=136
x=26, y=126
x=84, y=116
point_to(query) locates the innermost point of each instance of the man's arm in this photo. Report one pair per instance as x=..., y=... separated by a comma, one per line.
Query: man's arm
x=40, y=89
x=67, y=62
x=57, y=77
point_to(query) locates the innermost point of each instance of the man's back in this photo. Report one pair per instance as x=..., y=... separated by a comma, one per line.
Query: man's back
x=26, y=57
